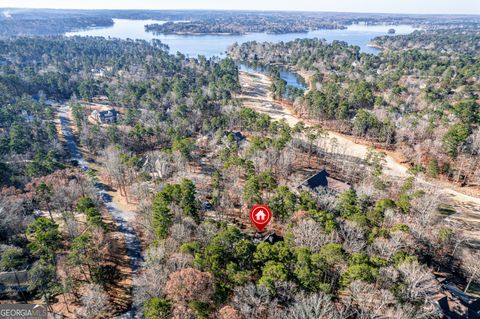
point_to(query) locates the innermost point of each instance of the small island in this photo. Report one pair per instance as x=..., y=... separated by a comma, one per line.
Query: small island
x=270, y=24
x=191, y=28
x=391, y=31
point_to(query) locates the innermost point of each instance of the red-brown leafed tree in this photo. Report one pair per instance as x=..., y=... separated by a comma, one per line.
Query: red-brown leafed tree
x=189, y=284
x=228, y=312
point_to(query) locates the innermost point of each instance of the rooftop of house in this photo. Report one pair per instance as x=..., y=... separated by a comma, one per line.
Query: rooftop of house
x=105, y=114
x=270, y=237
x=454, y=303
x=323, y=179
x=317, y=180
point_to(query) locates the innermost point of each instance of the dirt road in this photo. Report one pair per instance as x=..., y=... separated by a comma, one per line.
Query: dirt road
x=256, y=95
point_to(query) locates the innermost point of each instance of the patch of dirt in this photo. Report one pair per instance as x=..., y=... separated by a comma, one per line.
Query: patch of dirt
x=307, y=76
x=256, y=95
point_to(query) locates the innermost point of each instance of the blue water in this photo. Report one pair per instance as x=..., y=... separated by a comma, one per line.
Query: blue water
x=216, y=45
x=292, y=78
x=211, y=45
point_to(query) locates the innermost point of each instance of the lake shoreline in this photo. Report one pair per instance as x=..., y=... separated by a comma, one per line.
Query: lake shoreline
x=214, y=45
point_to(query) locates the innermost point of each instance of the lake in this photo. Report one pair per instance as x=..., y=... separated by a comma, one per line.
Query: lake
x=216, y=45
x=291, y=78
x=211, y=45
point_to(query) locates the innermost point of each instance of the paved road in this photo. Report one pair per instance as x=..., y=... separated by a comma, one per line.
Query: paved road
x=134, y=250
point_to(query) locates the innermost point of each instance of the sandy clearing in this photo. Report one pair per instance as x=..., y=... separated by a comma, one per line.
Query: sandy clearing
x=256, y=95
x=307, y=76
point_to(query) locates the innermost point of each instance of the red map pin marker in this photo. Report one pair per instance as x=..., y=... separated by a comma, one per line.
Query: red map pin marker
x=260, y=215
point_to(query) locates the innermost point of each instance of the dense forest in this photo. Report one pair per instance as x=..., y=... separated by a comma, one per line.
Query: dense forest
x=54, y=223
x=191, y=160
x=460, y=40
x=422, y=99
x=30, y=76
x=18, y=22
x=277, y=23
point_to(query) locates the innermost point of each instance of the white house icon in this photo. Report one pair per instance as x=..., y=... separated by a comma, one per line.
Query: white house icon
x=260, y=215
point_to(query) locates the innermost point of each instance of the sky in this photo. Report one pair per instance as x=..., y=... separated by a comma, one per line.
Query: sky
x=377, y=6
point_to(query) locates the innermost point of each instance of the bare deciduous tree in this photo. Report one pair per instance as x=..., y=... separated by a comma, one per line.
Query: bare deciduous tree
x=420, y=282
x=183, y=230
x=94, y=301
x=471, y=266
x=206, y=231
x=326, y=198
x=387, y=247
x=408, y=311
x=252, y=301
x=317, y=305
x=388, y=276
x=425, y=207
x=13, y=214
x=353, y=236
x=116, y=170
x=181, y=311
x=159, y=165
x=310, y=234
x=285, y=163
x=370, y=302
x=179, y=261
x=148, y=284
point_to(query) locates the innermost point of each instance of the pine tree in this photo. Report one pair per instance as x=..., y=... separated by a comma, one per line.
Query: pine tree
x=162, y=216
x=349, y=203
x=433, y=169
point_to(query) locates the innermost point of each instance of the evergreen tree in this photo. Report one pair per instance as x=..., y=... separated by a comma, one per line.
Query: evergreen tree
x=188, y=201
x=251, y=191
x=349, y=203
x=161, y=215
x=157, y=308
x=433, y=169
x=45, y=238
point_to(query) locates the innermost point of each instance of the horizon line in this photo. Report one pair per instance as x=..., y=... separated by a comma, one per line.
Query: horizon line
x=240, y=10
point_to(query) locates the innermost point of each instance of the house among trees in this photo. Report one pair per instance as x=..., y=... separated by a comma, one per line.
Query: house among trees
x=317, y=180
x=270, y=237
x=98, y=72
x=105, y=117
x=323, y=179
x=456, y=304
